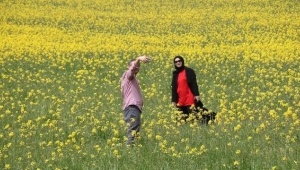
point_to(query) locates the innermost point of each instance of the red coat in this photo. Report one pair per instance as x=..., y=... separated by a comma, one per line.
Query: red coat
x=191, y=80
x=185, y=95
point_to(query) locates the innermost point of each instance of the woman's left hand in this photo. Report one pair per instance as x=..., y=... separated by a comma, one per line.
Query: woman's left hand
x=197, y=98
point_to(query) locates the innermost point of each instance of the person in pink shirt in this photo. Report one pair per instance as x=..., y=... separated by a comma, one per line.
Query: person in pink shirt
x=132, y=98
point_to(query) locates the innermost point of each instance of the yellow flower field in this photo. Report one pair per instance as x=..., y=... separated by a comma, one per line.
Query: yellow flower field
x=62, y=60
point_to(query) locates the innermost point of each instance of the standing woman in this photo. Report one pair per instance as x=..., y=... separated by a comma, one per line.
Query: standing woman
x=184, y=87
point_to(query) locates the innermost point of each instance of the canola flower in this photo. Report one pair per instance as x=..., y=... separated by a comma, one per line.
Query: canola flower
x=61, y=61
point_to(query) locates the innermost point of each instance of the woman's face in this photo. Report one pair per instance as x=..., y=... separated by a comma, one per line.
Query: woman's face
x=178, y=62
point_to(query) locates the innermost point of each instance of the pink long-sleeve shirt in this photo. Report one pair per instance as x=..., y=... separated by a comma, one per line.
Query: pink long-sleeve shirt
x=130, y=89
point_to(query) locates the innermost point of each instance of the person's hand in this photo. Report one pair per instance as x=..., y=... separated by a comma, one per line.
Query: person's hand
x=144, y=59
x=174, y=104
x=197, y=98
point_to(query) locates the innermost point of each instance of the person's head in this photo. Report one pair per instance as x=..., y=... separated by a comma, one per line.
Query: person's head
x=178, y=63
x=137, y=66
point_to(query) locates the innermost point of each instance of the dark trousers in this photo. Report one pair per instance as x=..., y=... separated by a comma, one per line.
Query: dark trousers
x=132, y=117
x=186, y=111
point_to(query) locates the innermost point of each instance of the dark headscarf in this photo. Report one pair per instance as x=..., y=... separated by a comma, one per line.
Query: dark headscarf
x=179, y=69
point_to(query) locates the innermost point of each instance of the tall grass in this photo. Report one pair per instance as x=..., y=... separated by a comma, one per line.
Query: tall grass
x=61, y=63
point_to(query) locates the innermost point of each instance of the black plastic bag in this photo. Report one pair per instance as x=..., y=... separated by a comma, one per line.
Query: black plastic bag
x=206, y=116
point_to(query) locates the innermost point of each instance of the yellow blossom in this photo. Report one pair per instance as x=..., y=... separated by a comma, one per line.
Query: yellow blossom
x=236, y=163
x=158, y=137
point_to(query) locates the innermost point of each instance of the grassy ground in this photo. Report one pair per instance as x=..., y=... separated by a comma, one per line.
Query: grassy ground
x=61, y=64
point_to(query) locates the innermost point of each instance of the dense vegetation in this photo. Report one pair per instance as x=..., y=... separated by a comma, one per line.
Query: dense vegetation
x=61, y=63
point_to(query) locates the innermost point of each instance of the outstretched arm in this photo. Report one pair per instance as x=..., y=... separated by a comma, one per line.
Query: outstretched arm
x=143, y=59
x=135, y=65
